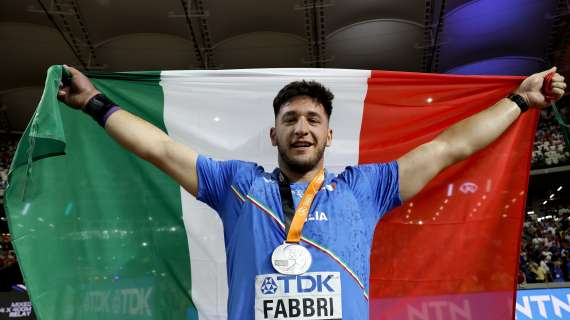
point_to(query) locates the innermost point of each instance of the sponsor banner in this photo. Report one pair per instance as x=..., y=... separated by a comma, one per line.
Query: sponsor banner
x=123, y=299
x=535, y=304
x=313, y=295
x=539, y=304
x=476, y=306
x=15, y=306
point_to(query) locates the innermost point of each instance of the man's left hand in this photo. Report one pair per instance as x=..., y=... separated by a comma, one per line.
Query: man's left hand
x=531, y=89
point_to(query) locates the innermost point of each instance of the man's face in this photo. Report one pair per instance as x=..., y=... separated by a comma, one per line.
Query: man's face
x=301, y=133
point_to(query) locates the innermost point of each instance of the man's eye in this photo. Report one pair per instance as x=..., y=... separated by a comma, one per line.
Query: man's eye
x=314, y=120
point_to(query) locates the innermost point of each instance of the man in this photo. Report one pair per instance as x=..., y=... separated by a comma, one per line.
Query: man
x=278, y=267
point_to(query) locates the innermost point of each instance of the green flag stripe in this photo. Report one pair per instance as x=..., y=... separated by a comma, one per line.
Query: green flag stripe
x=98, y=232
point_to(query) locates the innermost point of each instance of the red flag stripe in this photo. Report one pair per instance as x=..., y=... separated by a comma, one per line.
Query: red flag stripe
x=458, y=240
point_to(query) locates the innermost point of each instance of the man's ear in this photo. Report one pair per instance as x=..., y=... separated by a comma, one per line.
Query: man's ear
x=329, y=137
x=273, y=136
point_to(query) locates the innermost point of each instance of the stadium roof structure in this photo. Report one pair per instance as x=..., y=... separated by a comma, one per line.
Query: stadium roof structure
x=501, y=37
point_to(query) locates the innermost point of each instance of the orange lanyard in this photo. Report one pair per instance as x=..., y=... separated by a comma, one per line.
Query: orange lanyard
x=300, y=216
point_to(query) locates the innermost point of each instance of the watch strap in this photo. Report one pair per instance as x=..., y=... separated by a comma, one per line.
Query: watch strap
x=520, y=101
x=98, y=107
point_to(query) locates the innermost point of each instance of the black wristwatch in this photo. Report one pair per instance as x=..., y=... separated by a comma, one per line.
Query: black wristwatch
x=520, y=101
x=98, y=106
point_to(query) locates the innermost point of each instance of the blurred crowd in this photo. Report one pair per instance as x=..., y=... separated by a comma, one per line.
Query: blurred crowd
x=550, y=148
x=7, y=254
x=7, y=149
x=545, y=246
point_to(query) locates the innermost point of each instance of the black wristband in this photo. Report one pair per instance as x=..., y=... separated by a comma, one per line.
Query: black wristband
x=97, y=107
x=520, y=101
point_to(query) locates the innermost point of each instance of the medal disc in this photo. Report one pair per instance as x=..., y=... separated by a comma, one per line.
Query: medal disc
x=291, y=259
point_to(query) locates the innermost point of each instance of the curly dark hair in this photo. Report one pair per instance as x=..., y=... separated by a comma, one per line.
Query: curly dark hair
x=311, y=89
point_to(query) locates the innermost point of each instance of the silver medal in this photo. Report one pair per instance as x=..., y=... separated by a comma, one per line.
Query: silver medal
x=291, y=259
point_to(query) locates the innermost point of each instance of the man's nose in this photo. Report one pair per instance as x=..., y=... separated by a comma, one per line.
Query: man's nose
x=302, y=126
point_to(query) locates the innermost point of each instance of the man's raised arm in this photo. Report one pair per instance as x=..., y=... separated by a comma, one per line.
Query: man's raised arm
x=419, y=166
x=137, y=135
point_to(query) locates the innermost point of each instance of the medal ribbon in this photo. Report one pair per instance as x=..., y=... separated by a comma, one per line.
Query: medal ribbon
x=294, y=222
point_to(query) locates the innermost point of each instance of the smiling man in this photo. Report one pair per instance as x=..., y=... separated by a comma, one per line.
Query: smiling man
x=301, y=133
x=300, y=248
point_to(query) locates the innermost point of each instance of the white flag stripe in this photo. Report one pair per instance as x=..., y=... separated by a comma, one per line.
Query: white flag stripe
x=227, y=114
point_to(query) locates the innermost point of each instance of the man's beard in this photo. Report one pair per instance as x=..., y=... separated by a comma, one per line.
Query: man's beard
x=302, y=165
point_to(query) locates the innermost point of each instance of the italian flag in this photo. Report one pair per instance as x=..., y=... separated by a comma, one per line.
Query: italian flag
x=101, y=234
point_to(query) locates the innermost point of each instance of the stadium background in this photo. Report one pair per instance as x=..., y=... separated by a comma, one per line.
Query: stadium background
x=498, y=37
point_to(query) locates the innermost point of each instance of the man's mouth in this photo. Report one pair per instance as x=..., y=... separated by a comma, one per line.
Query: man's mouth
x=301, y=144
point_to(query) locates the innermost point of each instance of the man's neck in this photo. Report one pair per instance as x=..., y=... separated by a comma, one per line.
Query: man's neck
x=300, y=177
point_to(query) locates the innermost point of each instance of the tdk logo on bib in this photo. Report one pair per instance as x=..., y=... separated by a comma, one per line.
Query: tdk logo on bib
x=313, y=295
x=268, y=286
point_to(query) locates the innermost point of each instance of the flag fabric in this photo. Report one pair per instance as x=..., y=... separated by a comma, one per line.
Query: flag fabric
x=101, y=234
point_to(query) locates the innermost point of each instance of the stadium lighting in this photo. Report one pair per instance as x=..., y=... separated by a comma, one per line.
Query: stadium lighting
x=559, y=188
x=530, y=212
x=551, y=196
x=545, y=201
x=429, y=100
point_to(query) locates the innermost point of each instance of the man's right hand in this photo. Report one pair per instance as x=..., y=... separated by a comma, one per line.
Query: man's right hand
x=79, y=92
x=137, y=135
